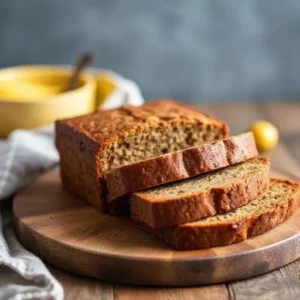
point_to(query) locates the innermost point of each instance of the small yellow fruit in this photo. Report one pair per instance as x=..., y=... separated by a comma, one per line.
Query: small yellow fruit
x=266, y=135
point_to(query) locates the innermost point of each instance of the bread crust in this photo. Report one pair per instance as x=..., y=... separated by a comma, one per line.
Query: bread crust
x=216, y=200
x=108, y=126
x=189, y=236
x=82, y=141
x=180, y=165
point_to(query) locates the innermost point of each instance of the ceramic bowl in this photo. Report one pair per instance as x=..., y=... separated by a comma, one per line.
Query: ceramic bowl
x=40, y=101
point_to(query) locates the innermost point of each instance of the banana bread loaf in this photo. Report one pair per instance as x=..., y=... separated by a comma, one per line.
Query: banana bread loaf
x=275, y=206
x=92, y=145
x=202, y=196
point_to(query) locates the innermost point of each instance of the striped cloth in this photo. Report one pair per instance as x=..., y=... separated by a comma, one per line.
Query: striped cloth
x=23, y=156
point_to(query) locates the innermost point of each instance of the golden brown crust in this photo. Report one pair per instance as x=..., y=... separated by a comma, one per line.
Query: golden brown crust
x=106, y=127
x=189, y=236
x=166, y=213
x=180, y=165
x=78, y=165
x=82, y=141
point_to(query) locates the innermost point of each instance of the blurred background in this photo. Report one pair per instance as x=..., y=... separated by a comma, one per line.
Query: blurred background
x=187, y=49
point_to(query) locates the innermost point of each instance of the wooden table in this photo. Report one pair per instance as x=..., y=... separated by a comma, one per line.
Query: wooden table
x=283, y=283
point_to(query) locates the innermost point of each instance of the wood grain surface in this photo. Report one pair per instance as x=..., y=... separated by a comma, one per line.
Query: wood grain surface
x=70, y=234
x=283, y=283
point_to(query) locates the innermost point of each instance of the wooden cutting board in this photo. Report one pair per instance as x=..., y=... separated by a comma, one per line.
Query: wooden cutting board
x=69, y=234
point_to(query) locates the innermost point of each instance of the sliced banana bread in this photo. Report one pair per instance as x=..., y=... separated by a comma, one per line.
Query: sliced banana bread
x=177, y=165
x=275, y=206
x=92, y=145
x=201, y=196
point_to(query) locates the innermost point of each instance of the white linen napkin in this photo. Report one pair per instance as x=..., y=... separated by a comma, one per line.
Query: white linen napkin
x=23, y=156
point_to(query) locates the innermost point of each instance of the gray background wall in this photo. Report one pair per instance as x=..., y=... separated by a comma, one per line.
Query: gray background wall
x=188, y=49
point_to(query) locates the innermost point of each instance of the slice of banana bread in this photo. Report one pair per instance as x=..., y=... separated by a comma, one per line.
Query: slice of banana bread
x=275, y=206
x=92, y=145
x=201, y=196
x=177, y=165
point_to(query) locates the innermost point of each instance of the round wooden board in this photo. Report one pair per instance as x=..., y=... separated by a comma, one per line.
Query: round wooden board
x=71, y=235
